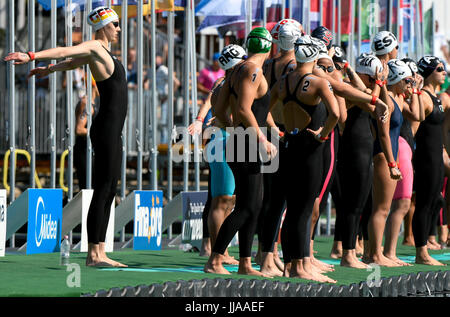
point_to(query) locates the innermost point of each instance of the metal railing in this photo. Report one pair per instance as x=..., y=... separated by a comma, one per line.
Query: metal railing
x=5, y=167
x=43, y=146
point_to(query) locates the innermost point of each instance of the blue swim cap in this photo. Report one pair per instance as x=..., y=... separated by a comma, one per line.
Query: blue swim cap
x=216, y=57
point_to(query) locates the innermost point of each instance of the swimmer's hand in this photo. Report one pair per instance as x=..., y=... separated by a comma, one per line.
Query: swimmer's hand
x=271, y=149
x=316, y=134
x=384, y=73
x=39, y=72
x=381, y=110
x=19, y=58
x=210, y=121
x=395, y=173
x=418, y=81
x=195, y=128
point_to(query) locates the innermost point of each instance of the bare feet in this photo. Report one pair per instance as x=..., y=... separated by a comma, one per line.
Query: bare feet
x=397, y=260
x=97, y=256
x=336, y=251
x=315, y=276
x=287, y=269
x=436, y=244
x=104, y=258
x=349, y=259
x=381, y=260
x=268, y=266
x=359, y=247
x=429, y=261
x=103, y=262
x=322, y=266
x=422, y=257
x=230, y=260
x=278, y=262
x=115, y=263
x=245, y=268
x=252, y=272
x=214, y=265
x=409, y=241
x=97, y=262
x=205, y=249
x=432, y=246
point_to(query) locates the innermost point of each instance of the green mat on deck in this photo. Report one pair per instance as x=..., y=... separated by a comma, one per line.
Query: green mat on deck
x=41, y=274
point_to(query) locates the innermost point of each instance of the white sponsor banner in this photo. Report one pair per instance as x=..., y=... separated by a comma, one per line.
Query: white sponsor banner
x=109, y=243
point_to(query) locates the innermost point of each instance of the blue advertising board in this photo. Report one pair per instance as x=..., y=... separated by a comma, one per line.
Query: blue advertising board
x=44, y=220
x=148, y=206
x=192, y=226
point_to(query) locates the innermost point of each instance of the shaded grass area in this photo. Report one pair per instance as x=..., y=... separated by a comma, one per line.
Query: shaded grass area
x=41, y=274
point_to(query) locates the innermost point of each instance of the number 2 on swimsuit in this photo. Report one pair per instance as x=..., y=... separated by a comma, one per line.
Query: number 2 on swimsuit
x=306, y=85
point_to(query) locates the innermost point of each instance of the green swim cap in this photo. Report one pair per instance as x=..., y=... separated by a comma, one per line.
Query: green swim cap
x=259, y=40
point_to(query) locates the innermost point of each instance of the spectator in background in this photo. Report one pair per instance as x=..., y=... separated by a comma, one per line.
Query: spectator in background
x=42, y=83
x=441, y=46
x=80, y=147
x=162, y=87
x=209, y=75
x=162, y=46
x=131, y=68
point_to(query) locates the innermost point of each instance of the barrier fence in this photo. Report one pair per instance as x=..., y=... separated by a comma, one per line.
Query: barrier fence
x=41, y=120
x=422, y=284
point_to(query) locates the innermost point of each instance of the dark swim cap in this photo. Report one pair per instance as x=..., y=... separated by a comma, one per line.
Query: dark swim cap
x=427, y=65
x=412, y=64
x=339, y=54
x=323, y=34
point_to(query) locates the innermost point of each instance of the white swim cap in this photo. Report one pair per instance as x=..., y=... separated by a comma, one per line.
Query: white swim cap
x=231, y=55
x=306, y=50
x=325, y=55
x=368, y=64
x=101, y=16
x=398, y=70
x=285, y=33
x=384, y=42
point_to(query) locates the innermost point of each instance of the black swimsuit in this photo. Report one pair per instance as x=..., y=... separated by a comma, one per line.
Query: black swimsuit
x=274, y=202
x=429, y=172
x=106, y=139
x=303, y=180
x=249, y=186
x=355, y=166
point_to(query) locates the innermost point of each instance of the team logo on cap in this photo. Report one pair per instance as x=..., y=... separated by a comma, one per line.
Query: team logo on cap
x=231, y=55
x=306, y=49
x=398, y=70
x=276, y=29
x=412, y=66
x=338, y=51
x=101, y=15
x=368, y=64
x=384, y=42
